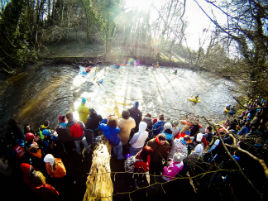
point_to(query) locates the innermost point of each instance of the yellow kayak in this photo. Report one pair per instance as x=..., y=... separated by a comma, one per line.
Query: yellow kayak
x=227, y=111
x=194, y=100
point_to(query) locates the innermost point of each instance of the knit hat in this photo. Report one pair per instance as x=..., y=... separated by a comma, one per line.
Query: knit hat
x=62, y=118
x=154, y=120
x=49, y=158
x=199, y=137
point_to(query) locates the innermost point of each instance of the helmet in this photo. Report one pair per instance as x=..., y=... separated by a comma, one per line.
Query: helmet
x=29, y=137
x=49, y=158
x=84, y=100
x=167, y=126
x=46, y=132
x=62, y=118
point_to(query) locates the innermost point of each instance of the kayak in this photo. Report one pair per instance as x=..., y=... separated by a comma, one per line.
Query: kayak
x=231, y=112
x=186, y=122
x=194, y=100
x=116, y=66
x=227, y=111
x=189, y=123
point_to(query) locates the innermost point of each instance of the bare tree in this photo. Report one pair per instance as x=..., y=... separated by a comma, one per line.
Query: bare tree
x=246, y=26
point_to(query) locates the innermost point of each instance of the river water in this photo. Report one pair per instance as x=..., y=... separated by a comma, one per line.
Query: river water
x=47, y=91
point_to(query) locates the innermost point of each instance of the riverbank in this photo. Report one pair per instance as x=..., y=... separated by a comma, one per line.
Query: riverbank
x=93, y=54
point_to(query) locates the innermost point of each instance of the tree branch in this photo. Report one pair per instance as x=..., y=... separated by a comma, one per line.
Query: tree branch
x=231, y=157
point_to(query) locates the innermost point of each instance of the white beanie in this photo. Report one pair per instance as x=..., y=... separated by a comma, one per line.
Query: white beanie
x=199, y=137
x=49, y=159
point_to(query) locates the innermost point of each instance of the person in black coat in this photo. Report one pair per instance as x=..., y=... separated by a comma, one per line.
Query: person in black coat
x=149, y=122
x=92, y=125
x=136, y=114
x=93, y=120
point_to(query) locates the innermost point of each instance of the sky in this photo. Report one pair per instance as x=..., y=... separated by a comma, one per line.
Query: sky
x=199, y=25
x=197, y=21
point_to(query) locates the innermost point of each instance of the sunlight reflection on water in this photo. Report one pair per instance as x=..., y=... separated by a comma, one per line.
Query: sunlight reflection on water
x=158, y=91
x=51, y=91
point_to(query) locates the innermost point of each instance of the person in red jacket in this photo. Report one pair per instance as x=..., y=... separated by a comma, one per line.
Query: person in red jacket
x=141, y=165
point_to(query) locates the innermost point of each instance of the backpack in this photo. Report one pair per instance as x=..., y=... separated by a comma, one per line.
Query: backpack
x=76, y=130
x=20, y=151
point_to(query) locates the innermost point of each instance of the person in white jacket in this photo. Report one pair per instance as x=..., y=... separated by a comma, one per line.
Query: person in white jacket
x=138, y=140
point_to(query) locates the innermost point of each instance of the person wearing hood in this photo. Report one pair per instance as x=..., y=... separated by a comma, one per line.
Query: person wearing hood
x=168, y=131
x=54, y=166
x=149, y=122
x=83, y=111
x=92, y=126
x=138, y=139
x=175, y=128
x=136, y=114
x=93, y=120
x=199, y=148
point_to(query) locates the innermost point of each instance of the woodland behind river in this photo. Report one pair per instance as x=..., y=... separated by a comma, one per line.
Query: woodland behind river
x=237, y=49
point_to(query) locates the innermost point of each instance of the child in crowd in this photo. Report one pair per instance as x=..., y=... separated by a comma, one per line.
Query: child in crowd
x=174, y=166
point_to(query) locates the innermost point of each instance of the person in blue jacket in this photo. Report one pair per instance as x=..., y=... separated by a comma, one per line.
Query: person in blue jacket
x=244, y=130
x=109, y=128
x=159, y=125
